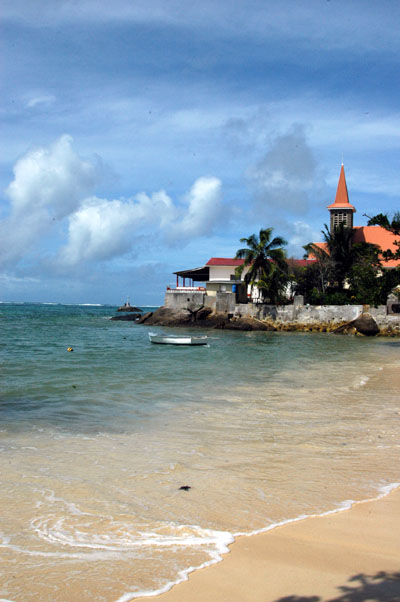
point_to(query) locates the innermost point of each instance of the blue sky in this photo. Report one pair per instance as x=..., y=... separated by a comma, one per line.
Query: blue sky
x=144, y=137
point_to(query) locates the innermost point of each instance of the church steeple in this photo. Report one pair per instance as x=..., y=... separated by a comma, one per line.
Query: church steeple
x=341, y=211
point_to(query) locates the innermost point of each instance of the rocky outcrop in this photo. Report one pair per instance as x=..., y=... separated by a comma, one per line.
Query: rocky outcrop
x=202, y=317
x=129, y=307
x=145, y=317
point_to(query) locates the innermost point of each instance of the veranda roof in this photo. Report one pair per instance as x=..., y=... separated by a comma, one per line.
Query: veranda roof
x=196, y=274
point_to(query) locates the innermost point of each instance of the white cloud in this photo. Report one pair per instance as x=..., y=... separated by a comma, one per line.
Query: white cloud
x=44, y=100
x=48, y=185
x=49, y=203
x=54, y=178
x=205, y=210
x=101, y=229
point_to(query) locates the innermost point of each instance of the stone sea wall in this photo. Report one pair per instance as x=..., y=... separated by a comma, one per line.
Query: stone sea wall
x=220, y=311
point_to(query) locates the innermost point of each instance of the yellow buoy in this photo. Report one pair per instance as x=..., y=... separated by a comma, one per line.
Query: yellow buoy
x=69, y=349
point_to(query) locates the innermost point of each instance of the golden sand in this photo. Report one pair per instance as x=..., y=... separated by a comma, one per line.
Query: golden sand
x=349, y=556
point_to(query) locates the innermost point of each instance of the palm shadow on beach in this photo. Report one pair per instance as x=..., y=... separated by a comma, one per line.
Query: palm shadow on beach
x=381, y=587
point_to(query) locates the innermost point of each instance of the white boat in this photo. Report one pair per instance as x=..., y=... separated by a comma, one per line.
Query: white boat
x=164, y=339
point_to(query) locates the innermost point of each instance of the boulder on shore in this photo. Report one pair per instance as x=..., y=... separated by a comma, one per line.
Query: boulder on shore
x=365, y=324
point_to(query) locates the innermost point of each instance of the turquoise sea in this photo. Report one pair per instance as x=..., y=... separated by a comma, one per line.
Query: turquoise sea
x=95, y=445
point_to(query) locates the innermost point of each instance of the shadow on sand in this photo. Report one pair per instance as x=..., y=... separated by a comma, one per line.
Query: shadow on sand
x=382, y=587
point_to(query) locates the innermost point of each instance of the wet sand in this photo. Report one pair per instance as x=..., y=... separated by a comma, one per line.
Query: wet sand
x=348, y=556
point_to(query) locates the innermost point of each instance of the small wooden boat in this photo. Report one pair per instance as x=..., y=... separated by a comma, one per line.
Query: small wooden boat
x=170, y=339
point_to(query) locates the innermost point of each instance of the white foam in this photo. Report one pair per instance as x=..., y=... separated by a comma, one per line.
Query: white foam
x=361, y=382
x=182, y=576
x=345, y=505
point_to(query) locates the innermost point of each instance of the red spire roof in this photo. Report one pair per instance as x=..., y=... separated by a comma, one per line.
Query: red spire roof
x=342, y=196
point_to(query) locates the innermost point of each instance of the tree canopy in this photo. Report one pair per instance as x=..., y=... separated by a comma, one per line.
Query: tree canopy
x=265, y=259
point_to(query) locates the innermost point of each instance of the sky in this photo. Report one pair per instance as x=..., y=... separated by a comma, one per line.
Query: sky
x=144, y=137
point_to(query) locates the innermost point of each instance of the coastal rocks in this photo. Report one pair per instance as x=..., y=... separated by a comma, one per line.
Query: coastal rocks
x=127, y=317
x=145, y=317
x=128, y=307
x=130, y=313
x=366, y=325
x=202, y=317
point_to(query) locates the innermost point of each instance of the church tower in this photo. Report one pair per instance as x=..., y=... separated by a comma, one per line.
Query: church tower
x=341, y=211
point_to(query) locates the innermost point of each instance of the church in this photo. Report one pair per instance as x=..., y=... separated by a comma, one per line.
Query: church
x=218, y=275
x=341, y=211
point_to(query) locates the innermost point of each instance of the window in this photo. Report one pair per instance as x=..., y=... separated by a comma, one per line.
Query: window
x=340, y=217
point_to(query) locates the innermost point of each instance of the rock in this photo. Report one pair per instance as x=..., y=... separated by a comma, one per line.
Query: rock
x=145, y=317
x=203, y=313
x=127, y=317
x=128, y=307
x=365, y=324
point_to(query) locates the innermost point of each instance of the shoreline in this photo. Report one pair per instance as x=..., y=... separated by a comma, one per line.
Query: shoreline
x=315, y=321
x=353, y=550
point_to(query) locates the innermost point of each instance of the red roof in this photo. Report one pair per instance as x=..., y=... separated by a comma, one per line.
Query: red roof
x=300, y=263
x=342, y=196
x=224, y=261
x=377, y=235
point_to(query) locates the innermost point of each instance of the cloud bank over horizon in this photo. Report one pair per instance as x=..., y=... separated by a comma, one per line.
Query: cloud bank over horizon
x=51, y=191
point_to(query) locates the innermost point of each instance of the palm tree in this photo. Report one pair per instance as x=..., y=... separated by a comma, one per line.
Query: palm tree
x=274, y=286
x=340, y=255
x=262, y=256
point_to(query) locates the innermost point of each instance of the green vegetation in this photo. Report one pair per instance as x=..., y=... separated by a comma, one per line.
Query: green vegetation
x=343, y=272
x=349, y=273
x=265, y=259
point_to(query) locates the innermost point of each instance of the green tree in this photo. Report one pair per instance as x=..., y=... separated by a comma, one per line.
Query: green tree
x=336, y=261
x=274, y=285
x=339, y=247
x=319, y=273
x=265, y=259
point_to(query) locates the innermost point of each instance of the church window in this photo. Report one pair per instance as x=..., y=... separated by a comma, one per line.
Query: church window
x=339, y=217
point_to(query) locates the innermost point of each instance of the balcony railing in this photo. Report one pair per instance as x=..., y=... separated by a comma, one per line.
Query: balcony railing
x=185, y=289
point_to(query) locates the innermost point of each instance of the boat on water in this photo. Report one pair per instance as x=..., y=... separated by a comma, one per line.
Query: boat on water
x=164, y=339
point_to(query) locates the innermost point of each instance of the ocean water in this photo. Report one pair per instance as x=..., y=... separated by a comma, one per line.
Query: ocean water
x=95, y=444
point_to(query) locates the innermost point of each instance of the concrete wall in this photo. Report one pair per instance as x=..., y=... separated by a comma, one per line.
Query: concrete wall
x=181, y=300
x=224, y=303
x=303, y=314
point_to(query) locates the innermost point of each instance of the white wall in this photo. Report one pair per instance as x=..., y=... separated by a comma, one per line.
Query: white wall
x=221, y=272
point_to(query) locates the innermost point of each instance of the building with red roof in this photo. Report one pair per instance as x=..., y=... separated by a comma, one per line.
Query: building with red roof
x=218, y=275
x=341, y=211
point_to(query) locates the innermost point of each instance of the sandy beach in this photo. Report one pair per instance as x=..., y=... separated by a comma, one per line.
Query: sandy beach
x=349, y=556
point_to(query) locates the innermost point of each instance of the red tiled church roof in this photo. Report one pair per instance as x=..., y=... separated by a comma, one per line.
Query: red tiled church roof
x=377, y=235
